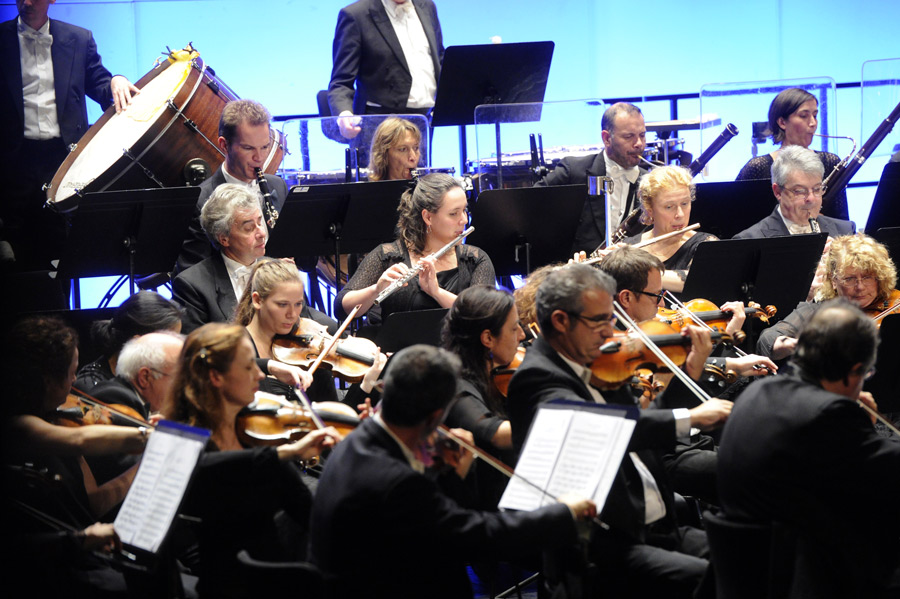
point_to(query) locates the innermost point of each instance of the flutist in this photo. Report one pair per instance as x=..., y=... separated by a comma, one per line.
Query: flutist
x=431, y=215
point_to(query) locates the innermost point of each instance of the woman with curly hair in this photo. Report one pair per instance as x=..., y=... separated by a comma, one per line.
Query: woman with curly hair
x=430, y=216
x=395, y=150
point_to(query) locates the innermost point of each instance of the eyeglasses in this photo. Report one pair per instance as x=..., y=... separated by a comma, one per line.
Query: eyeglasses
x=595, y=322
x=659, y=296
x=160, y=372
x=802, y=192
x=865, y=374
x=854, y=281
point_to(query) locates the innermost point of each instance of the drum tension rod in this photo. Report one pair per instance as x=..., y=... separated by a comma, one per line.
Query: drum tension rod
x=146, y=170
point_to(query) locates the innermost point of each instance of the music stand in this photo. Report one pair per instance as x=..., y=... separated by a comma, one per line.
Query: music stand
x=890, y=238
x=488, y=74
x=883, y=384
x=524, y=228
x=126, y=232
x=726, y=208
x=774, y=271
x=339, y=218
x=885, y=210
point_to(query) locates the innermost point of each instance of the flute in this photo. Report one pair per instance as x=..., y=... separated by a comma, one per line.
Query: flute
x=414, y=271
x=650, y=241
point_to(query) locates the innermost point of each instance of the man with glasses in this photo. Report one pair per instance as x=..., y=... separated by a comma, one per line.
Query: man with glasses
x=644, y=550
x=797, y=184
x=799, y=450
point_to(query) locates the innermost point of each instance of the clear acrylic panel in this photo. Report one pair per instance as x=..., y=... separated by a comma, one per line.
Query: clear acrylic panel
x=317, y=151
x=880, y=95
x=746, y=105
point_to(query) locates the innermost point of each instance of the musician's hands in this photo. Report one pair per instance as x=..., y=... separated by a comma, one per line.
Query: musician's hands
x=783, y=347
x=122, y=91
x=289, y=374
x=428, y=277
x=309, y=445
x=751, y=365
x=374, y=371
x=866, y=399
x=365, y=409
x=582, y=508
x=100, y=537
x=738, y=316
x=701, y=348
x=349, y=124
x=466, y=457
x=709, y=415
x=578, y=257
x=396, y=271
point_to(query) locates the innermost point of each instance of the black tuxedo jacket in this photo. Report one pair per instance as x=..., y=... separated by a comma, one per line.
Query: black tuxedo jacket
x=773, y=226
x=591, y=231
x=205, y=292
x=386, y=531
x=77, y=71
x=367, y=53
x=544, y=376
x=196, y=246
x=795, y=453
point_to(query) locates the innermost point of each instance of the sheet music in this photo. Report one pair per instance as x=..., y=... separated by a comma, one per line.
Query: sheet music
x=162, y=478
x=569, y=451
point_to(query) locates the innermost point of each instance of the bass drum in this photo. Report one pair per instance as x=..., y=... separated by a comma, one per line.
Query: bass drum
x=166, y=137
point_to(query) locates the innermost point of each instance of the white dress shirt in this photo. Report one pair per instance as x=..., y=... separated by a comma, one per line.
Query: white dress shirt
x=38, y=90
x=792, y=227
x=416, y=50
x=239, y=275
x=622, y=180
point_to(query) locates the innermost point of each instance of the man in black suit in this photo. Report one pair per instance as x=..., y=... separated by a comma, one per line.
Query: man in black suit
x=385, y=530
x=624, y=139
x=644, y=552
x=797, y=184
x=47, y=68
x=800, y=450
x=246, y=139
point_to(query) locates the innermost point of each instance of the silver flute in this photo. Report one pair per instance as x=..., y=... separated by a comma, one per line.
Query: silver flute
x=414, y=271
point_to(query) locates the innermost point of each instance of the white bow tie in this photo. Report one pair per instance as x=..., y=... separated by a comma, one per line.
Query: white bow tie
x=43, y=39
x=795, y=229
x=404, y=9
x=617, y=171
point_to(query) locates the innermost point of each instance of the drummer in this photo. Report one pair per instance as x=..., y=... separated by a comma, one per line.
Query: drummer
x=246, y=140
x=36, y=130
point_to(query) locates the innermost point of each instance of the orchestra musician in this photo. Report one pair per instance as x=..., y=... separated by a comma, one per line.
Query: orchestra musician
x=645, y=551
x=49, y=66
x=858, y=269
x=246, y=140
x=395, y=150
x=374, y=507
x=142, y=313
x=432, y=215
x=666, y=194
x=245, y=498
x=800, y=452
x=797, y=185
x=624, y=138
x=793, y=120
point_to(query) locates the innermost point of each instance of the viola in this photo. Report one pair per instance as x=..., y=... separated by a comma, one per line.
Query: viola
x=889, y=306
x=502, y=375
x=349, y=360
x=273, y=420
x=709, y=313
x=625, y=352
x=82, y=410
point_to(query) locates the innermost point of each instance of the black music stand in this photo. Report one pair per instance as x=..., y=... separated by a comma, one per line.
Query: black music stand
x=883, y=384
x=727, y=208
x=885, y=210
x=524, y=228
x=128, y=232
x=339, y=218
x=488, y=74
x=890, y=238
x=774, y=271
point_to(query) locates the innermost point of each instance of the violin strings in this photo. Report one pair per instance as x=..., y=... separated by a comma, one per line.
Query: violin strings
x=674, y=301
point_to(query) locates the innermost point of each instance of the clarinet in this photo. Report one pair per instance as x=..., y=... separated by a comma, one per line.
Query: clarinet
x=724, y=137
x=268, y=202
x=842, y=173
x=621, y=232
x=414, y=272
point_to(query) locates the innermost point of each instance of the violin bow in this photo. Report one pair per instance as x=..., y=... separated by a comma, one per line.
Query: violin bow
x=877, y=415
x=335, y=338
x=674, y=301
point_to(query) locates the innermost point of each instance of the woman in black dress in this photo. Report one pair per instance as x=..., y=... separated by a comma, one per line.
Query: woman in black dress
x=431, y=215
x=793, y=120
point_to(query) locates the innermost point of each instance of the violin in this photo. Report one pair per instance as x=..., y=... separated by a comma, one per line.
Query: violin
x=273, y=420
x=890, y=306
x=502, y=375
x=349, y=360
x=625, y=352
x=709, y=313
x=82, y=410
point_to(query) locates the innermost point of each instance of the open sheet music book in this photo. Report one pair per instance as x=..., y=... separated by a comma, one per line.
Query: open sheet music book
x=571, y=447
x=162, y=479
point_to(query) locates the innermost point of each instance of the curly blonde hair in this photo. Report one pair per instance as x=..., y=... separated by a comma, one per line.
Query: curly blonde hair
x=266, y=275
x=389, y=133
x=193, y=399
x=865, y=255
x=659, y=180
